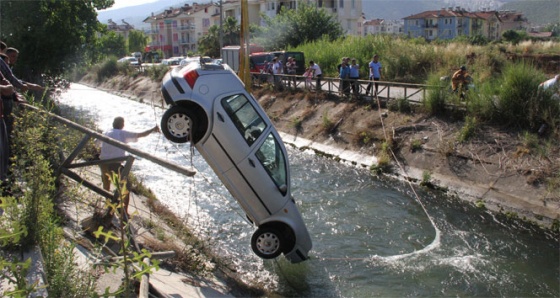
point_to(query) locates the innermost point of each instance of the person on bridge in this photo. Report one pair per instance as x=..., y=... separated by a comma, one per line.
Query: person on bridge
x=374, y=74
x=109, y=152
x=317, y=73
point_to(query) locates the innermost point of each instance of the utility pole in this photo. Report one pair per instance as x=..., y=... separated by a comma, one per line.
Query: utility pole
x=244, y=71
x=221, y=26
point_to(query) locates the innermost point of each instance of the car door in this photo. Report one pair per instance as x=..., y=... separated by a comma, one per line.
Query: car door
x=237, y=129
x=266, y=168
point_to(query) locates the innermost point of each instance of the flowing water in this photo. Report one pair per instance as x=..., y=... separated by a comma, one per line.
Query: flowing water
x=371, y=237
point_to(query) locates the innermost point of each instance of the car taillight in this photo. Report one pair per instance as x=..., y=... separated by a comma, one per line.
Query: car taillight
x=191, y=77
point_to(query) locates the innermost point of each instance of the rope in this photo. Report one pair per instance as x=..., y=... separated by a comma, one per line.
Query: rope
x=438, y=232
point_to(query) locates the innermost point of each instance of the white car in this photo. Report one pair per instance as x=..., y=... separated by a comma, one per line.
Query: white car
x=129, y=60
x=172, y=61
x=211, y=108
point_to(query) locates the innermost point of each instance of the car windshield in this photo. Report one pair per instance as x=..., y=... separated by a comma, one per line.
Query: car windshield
x=244, y=116
x=272, y=157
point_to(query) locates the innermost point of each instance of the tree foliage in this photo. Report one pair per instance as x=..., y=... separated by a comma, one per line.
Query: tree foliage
x=292, y=27
x=137, y=41
x=209, y=44
x=52, y=36
x=111, y=44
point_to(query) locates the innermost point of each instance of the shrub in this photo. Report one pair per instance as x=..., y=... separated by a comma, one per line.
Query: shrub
x=468, y=130
x=399, y=105
x=517, y=96
x=157, y=72
x=434, y=102
x=106, y=69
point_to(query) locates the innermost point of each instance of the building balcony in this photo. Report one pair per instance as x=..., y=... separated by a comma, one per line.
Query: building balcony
x=187, y=41
x=188, y=27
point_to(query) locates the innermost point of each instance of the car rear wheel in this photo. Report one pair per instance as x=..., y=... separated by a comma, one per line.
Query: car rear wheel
x=177, y=124
x=267, y=243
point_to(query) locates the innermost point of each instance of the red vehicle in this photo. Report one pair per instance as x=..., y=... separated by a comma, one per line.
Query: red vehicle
x=258, y=62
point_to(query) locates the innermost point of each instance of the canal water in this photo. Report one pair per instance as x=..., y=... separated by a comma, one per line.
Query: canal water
x=371, y=237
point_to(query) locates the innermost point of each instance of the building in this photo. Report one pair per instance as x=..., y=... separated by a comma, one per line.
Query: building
x=443, y=24
x=122, y=29
x=176, y=31
x=454, y=22
x=380, y=26
x=487, y=24
x=512, y=20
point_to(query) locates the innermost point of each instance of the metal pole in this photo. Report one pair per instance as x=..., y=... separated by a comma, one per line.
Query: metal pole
x=154, y=159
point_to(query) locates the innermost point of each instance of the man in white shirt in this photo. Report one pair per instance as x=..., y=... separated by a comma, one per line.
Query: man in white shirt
x=110, y=151
x=316, y=72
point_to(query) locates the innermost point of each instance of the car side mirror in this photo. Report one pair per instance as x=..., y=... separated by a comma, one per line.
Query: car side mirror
x=283, y=188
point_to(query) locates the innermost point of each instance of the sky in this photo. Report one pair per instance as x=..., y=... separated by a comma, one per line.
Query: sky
x=126, y=3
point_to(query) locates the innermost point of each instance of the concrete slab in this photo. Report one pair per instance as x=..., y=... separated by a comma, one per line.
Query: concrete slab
x=179, y=285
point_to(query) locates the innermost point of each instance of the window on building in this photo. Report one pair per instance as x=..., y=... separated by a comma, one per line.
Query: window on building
x=341, y=3
x=353, y=4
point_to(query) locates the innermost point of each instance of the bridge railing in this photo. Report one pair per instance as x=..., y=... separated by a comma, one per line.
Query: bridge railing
x=386, y=90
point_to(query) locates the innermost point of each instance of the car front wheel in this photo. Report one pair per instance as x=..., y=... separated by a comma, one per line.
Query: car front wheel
x=267, y=243
x=177, y=124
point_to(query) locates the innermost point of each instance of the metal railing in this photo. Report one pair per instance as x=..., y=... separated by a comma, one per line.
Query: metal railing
x=387, y=90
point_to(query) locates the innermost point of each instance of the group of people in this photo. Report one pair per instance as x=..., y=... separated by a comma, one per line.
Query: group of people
x=277, y=68
x=11, y=89
x=349, y=74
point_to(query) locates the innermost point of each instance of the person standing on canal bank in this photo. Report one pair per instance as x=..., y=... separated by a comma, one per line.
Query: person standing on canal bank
x=110, y=152
x=374, y=74
x=317, y=73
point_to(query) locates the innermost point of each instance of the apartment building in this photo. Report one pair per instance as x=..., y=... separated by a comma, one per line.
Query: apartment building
x=453, y=22
x=121, y=29
x=381, y=26
x=176, y=31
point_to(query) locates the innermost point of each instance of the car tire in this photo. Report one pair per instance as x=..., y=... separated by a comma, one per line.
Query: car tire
x=177, y=124
x=267, y=243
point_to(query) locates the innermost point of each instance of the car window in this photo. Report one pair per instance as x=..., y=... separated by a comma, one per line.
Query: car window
x=246, y=119
x=272, y=157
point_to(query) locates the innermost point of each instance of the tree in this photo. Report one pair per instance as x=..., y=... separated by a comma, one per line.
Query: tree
x=291, y=28
x=137, y=41
x=52, y=36
x=112, y=44
x=209, y=44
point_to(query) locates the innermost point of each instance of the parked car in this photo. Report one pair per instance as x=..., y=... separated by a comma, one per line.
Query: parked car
x=129, y=60
x=172, y=61
x=188, y=60
x=210, y=107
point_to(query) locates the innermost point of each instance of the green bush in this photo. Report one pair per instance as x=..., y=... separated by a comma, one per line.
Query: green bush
x=517, y=100
x=106, y=69
x=436, y=96
x=157, y=72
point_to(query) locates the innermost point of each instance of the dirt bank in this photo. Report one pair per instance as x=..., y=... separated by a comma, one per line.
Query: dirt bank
x=498, y=168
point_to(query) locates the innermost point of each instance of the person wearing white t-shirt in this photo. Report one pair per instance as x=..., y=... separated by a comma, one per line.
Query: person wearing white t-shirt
x=317, y=73
x=109, y=152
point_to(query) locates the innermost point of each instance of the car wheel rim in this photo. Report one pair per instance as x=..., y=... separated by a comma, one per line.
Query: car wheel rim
x=179, y=125
x=268, y=243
